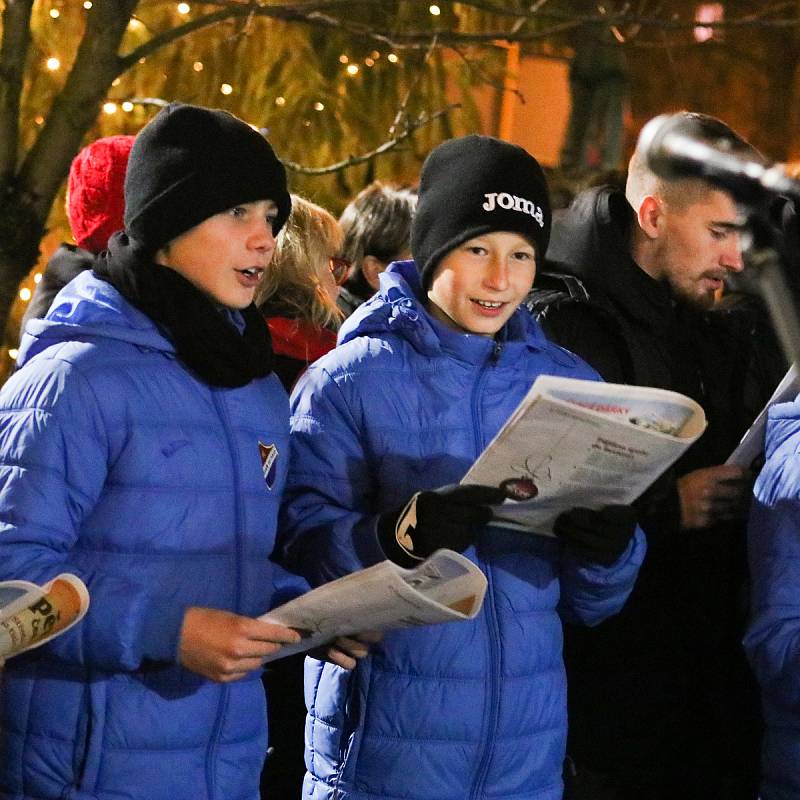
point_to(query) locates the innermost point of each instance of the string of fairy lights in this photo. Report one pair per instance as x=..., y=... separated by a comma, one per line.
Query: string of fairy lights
x=351, y=65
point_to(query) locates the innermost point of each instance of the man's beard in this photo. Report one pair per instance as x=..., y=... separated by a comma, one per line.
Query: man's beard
x=694, y=300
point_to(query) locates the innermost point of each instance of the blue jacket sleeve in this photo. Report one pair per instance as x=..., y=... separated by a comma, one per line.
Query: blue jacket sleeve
x=326, y=528
x=773, y=637
x=590, y=592
x=54, y=457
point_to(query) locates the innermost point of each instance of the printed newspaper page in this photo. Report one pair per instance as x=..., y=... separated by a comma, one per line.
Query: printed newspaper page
x=31, y=615
x=752, y=444
x=583, y=443
x=444, y=588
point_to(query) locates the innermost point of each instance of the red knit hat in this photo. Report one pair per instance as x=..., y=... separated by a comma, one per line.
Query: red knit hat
x=96, y=200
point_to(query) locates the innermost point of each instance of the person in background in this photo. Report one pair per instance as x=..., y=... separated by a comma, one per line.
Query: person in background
x=383, y=429
x=598, y=82
x=662, y=703
x=95, y=207
x=298, y=295
x=143, y=447
x=377, y=231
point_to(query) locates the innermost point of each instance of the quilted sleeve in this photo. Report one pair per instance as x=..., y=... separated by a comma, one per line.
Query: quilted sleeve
x=773, y=637
x=324, y=532
x=54, y=459
x=590, y=592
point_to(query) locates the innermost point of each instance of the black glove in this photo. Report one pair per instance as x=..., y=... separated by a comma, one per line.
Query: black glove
x=600, y=536
x=450, y=517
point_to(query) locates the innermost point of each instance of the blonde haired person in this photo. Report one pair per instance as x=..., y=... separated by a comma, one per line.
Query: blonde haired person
x=297, y=297
x=298, y=294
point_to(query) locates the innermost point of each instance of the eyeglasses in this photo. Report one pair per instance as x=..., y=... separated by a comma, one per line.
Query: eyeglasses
x=340, y=267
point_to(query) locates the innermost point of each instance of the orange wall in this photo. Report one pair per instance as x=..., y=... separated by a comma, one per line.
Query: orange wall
x=539, y=124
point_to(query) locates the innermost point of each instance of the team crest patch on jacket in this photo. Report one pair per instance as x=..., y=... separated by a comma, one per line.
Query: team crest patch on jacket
x=269, y=462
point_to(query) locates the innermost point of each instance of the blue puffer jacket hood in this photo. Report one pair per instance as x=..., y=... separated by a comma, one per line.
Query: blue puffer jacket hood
x=119, y=465
x=397, y=309
x=89, y=307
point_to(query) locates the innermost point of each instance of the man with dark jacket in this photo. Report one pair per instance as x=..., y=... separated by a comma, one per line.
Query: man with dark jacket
x=661, y=702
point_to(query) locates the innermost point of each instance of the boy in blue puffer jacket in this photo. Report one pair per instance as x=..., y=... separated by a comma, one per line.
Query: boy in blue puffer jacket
x=143, y=447
x=773, y=638
x=383, y=428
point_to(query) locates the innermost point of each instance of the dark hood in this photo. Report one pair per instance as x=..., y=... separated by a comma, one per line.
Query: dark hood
x=67, y=262
x=590, y=240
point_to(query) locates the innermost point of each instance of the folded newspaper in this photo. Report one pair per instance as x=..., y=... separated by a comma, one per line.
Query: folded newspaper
x=31, y=615
x=583, y=443
x=446, y=587
x=752, y=444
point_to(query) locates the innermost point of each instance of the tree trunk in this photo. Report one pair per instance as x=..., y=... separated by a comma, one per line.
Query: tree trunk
x=28, y=191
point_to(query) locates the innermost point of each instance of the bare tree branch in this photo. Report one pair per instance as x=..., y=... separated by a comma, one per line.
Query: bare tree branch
x=401, y=115
x=410, y=127
x=76, y=107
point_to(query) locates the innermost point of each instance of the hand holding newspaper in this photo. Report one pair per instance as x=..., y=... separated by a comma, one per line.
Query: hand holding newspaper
x=31, y=615
x=445, y=587
x=583, y=443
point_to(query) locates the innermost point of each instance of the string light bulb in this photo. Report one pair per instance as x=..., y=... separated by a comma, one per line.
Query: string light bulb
x=127, y=106
x=37, y=277
x=197, y=66
x=55, y=13
x=393, y=58
x=25, y=294
x=87, y=4
x=435, y=10
x=53, y=64
x=352, y=69
x=319, y=106
x=109, y=107
x=13, y=353
x=280, y=101
x=226, y=88
x=343, y=59
x=184, y=8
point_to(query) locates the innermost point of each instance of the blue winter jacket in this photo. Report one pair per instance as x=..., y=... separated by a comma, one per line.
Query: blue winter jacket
x=773, y=638
x=120, y=466
x=451, y=712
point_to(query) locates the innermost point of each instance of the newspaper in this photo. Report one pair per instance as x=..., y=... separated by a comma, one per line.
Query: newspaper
x=445, y=587
x=583, y=443
x=752, y=444
x=31, y=615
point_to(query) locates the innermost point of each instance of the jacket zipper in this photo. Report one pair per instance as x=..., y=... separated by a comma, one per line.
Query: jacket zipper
x=492, y=685
x=224, y=690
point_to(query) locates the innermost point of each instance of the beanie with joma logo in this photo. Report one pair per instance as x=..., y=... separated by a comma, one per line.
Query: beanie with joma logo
x=511, y=202
x=472, y=186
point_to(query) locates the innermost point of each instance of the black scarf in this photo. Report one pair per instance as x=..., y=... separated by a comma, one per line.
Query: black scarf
x=206, y=343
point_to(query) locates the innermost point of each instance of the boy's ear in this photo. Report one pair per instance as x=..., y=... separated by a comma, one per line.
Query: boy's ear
x=649, y=216
x=371, y=268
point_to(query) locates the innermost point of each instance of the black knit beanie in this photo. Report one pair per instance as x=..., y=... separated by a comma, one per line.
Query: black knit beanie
x=472, y=186
x=190, y=163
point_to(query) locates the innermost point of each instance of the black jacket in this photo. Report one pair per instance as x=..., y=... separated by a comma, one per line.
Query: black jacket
x=67, y=262
x=641, y=681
